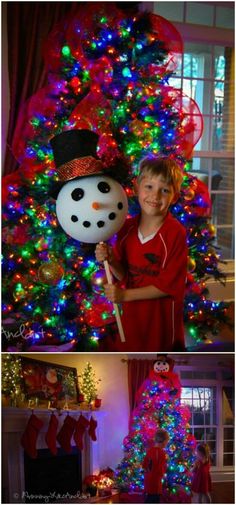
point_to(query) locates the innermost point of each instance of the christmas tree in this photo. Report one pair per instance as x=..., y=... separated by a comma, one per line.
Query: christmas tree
x=88, y=383
x=107, y=71
x=11, y=375
x=158, y=405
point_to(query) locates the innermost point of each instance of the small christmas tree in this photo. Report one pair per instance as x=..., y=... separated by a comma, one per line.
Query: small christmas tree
x=159, y=406
x=11, y=374
x=89, y=383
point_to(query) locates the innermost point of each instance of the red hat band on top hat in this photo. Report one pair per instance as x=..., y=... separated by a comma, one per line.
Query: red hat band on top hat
x=79, y=167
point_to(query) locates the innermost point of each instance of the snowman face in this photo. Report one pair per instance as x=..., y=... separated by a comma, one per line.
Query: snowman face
x=161, y=366
x=92, y=209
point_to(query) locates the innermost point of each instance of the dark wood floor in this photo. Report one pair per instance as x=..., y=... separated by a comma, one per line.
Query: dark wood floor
x=223, y=493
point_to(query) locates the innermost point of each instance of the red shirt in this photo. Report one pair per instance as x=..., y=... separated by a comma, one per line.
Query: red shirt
x=201, y=478
x=154, y=465
x=154, y=324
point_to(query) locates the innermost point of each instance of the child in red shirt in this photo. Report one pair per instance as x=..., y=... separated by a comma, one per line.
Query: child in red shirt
x=154, y=465
x=150, y=259
x=201, y=483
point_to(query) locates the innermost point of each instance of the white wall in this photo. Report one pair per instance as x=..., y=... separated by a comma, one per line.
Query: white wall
x=113, y=390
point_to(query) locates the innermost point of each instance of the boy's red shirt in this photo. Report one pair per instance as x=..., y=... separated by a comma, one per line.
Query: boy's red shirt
x=154, y=465
x=154, y=324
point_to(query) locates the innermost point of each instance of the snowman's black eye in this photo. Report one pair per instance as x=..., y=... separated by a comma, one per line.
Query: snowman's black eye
x=74, y=219
x=104, y=187
x=120, y=205
x=77, y=194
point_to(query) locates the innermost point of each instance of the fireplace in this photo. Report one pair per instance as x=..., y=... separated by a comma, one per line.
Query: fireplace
x=19, y=471
x=48, y=476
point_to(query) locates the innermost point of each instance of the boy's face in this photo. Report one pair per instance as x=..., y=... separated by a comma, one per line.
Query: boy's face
x=155, y=195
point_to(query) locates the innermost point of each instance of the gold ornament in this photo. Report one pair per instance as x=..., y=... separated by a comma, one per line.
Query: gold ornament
x=212, y=230
x=189, y=194
x=98, y=279
x=191, y=265
x=50, y=273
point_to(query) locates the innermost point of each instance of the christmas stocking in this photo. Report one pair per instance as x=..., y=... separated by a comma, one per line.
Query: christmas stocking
x=51, y=435
x=30, y=435
x=92, y=427
x=66, y=432
x=81, y=425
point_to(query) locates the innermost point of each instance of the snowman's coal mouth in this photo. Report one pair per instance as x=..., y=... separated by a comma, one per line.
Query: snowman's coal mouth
x=100, y=223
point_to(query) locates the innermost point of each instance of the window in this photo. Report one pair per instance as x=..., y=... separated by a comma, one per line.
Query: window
x=202, y=403
x=205, y=73
x=209, y=394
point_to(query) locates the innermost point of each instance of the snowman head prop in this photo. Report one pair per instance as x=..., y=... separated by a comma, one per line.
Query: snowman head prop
x=90, y=205
x=163, y=364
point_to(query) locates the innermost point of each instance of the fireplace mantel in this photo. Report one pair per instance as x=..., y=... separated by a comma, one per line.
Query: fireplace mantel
x=14, y=421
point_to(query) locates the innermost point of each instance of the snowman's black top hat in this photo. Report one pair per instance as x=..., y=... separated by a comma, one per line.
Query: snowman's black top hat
x=75, y=154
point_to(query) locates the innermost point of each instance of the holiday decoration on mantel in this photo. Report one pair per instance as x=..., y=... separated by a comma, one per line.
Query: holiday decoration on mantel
x=12, y=379
x=108, y=72
x=89, y=385
x=158, y=405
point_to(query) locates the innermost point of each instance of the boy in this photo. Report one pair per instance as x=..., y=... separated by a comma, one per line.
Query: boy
x=154, y=465
x=150, y=258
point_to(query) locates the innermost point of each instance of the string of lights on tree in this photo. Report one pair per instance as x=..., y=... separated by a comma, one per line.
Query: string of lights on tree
x=158, y=405
x=11, y=374
x=107, y=71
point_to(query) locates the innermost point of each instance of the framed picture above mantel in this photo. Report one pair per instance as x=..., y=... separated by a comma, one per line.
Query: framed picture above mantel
x=48, y=382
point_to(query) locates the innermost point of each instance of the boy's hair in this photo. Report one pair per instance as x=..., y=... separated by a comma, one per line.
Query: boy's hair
x=204, y=450
x=169, y=168
x=161, y=436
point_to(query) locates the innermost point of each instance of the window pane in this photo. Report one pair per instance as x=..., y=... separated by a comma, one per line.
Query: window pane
x=219, y=62
x=204, y=144
x=223, y=174
x=198, y=418
x=228, y=446
x=225, y=242
x=199, y=434
x=175, y=82
x=170, y=10
x=225, y=17
x=229, y=433
x=222, y=208
x=228, y=459
x=210, y=434
x=197, y=15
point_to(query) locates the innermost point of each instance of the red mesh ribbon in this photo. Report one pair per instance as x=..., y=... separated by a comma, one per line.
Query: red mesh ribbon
x=191, y=120
x=167, y=33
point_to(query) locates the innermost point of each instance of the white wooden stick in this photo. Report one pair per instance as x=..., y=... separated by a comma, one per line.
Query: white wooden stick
x=116, y=308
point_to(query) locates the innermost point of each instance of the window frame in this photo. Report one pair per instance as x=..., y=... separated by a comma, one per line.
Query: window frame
x=219, y=383
x=213, y=36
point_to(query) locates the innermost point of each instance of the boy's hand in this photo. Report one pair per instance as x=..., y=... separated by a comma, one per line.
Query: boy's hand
x=113, y=293
x=103, y=252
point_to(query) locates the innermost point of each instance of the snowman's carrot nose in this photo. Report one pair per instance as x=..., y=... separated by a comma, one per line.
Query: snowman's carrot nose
x=96, y=205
